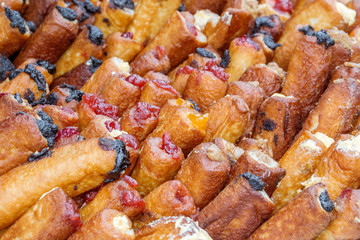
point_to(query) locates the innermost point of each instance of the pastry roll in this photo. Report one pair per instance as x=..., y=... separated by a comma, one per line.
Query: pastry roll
x=175, y=228
x=270, y=24
x=88, y=43
x=53, y=216
x=108, y=224
x=122, y=92
x=65, y=95
x=158, y=92
x=186, y=127
x=38, y=9
x=300, y=162
x=204, y=173
x=122, y=46
x=336, y=109
x=253, y=95
x=282, y=9
x=30, y=82
x=254, y=144
x=6, y=67
x=304, y=217
x=228, y=119
x=119, y=195
x=233, y=23
x=67, y=136
x=338, y=168
x=114, y=16
x=207, y=85
x=278, y=121
x=100, y=159
x=345, y=224
x=62, y=116
x=243, y=52
x=52, y=38
x=78, y=76
x=140, y=120
x=177, y=30
x=261, y=165
x=85, y=10
x=174, y=105
x=267, y=44
x=11, y=105
x=22, y=135
x=110, y=67
x=150, y=16
x=238, y=209
x=159, y=161
x=90, y=106
x=305, y=79
x=347, y=70
x=232, y=152
x=169, y=199
x=269, y=77
x=16, y=5
x=14, y=31
x=213, y=5
x=342, y=49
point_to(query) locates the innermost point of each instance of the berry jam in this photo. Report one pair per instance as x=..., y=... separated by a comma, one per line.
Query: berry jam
x=99, y=106
x=166, y=86
x=128, y=35
x=245, y=40
x=136, y=80
x=218, y=72
x=192, y=29
x=67, y=132
x=130, y=199
x=129, y=140
x=129, y=180
x=185, y=70
x=346, y=192
x=112, y=125
x=284, y=6
x=72, y=214
x=2, y=94
x=144, y=111
x=160, y=52
x=169, y=147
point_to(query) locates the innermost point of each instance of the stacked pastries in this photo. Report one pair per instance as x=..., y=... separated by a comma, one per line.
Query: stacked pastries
x=193, y=119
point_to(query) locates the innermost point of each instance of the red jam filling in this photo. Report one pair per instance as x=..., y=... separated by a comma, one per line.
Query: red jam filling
x=73, y=214
x=245, y=40
x=112, y=125
x=185, y=70
x=166, y=86
x=346, y=192
x=284, y=6
x=129, y=140
x=144, y=111
x=130, y=199
x=99, y=106
x=128, y=35
x=67, y=110
x=136, y=80
x=192, y=29
x=129, y=180
x=160, y=52
x=219, y=72
x=67, y=132
x=169, y=147
x=2, y=94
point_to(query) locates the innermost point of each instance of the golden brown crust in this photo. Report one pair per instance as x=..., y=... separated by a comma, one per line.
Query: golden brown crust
x=75, y=173
x=118, y=195
x=232, y=152
x=121, y=47
x=278, y=121
x=38, y=9
x=213, y=5
x=204, y=88
x=11, y=39
x=261, y=165
x=158, y=92
x=79, y=52
x=17, y=5
x=228, y=119
x=155, y=165
x=302, y=218
x=204, y=173
x=169, y=199
x=336, y=109
x=20, y=137
x=63, y=117
x=54, y=216
x=342, y=49
x=236, y=212
x=300, y=161
x=50, y=40
x=108, y=224
x=307, y=85
x=61, y=93
x=9, y=106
